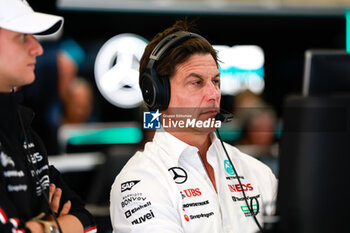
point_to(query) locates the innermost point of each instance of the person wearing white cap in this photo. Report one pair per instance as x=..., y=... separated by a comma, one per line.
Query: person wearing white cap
x=33, y=195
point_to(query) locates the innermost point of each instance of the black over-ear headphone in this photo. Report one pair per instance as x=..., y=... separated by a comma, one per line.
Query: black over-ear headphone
x=156, y=90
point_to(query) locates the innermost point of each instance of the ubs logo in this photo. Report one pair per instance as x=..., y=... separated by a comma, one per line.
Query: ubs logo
x=193, y=192
x=179, y=174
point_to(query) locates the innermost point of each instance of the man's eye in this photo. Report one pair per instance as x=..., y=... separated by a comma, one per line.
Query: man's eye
x=24, y=37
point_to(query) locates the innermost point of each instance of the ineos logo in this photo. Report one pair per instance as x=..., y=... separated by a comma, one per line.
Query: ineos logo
x=117, y=70
x=179, y=174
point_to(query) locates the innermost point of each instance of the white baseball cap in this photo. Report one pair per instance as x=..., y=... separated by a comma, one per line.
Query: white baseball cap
x=18, y=16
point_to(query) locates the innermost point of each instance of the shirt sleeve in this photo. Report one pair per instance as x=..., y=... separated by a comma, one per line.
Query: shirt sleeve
x=77, y=208
x=10, y=223
x=142, y=201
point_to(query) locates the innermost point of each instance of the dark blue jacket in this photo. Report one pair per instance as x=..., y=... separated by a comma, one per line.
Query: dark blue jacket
x=21, y=196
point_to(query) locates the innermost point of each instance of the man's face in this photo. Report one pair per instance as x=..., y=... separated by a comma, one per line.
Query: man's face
x=195, y=85
x=18, y=54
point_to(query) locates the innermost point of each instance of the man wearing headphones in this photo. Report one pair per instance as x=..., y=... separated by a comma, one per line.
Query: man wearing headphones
x=33, y=196
x=186, y=179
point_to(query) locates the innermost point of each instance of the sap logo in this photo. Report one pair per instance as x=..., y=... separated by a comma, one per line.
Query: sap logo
x=128, y=185
x=143, y=218
x=192, y=192
x=237, y=187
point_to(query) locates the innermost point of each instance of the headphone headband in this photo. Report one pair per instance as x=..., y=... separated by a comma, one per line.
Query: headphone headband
x=171, y=40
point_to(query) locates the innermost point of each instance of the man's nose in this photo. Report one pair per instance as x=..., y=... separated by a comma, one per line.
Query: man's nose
x=212, y=91
x=36, y=49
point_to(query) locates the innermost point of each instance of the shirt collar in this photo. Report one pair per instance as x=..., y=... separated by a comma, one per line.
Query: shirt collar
x=175, y=147
x=214, y=149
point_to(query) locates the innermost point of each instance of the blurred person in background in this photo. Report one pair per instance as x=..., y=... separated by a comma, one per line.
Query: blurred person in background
x=70, y=57
x=56, y=70
x=258, y=123
x=78, y=102
x=32, y=193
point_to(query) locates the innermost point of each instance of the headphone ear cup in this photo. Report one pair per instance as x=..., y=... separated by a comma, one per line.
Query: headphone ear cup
x=155, y=91
x=148, y=90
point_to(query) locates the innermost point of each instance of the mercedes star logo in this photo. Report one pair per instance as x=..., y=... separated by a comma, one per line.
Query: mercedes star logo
x=117, y=70
x=179, y=174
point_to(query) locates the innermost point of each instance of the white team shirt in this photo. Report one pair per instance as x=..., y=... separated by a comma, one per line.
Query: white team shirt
x=166, y=188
